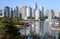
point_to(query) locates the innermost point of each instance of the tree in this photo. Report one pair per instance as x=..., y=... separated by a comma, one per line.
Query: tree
x=11, y=31
x=2, y=30
x=8, y=28
x=59, y=32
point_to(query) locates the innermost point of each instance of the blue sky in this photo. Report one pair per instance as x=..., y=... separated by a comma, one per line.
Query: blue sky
x=47, y=4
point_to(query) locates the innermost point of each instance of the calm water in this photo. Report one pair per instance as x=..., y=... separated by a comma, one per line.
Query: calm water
x=40, y=28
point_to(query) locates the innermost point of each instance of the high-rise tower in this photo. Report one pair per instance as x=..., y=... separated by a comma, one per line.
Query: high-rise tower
x=51, y=14
x=29, y=12
x=24, y=15
x=35, y=6
x=1, y=13
x=7, y=11
x=11, y=12
x=15, y=12
x=37, y=16
x=41, y=12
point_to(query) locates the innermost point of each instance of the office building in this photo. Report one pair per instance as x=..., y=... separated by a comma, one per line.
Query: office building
x=33, y=13
x=50, y=14
x=57, y=14
x=7, y=11
x=37, y=16
x=11, y=13
x=16, y=12
x=1, y=13
x=20, y=12
x=41, y=12
x=46, y=12
x=24, y=14
x=35, y=6
x=29, y=12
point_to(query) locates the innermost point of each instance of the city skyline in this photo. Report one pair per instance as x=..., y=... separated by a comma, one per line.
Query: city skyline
x=47, y=4
x=39, y=17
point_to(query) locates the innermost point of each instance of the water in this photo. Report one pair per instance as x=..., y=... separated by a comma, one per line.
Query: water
x=40, y=28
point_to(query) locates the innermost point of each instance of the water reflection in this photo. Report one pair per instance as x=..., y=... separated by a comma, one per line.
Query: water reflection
x=40, y=28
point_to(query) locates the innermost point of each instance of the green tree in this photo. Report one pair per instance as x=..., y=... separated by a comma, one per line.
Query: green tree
x=11, y=31
x=8, y=28
x=59, y=32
